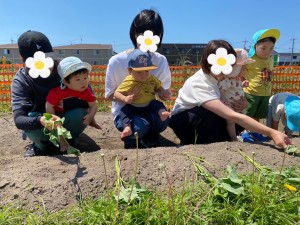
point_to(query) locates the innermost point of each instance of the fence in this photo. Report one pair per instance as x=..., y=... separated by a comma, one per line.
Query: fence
x=285, y=79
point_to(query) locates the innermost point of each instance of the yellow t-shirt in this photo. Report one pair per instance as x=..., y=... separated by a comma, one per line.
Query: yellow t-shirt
x=259, y=74
x=148, y=89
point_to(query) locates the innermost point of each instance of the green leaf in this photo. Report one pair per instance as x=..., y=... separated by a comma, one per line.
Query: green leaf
x=130, y=192
x=294, y=180
x=72, y=150
x=233, y=188
x=291, y=149
x=233, y=175
x=47, y=116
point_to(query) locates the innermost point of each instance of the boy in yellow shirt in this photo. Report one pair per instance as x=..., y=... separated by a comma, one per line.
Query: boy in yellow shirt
x=259, y=73
x=138, y=91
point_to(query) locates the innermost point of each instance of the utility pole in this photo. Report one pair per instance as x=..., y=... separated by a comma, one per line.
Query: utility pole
x=245, y=41
x=293, y=42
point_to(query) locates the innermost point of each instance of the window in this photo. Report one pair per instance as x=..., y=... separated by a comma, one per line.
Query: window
x=6, y=51
x=181, y=50
x=294, y=57
x=166, y=51
x=76, y=52
x=196, y=46
x=61, y=51
x=196, y=51
x=96, y=52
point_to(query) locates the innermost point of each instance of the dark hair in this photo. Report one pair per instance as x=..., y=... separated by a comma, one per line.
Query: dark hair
x=67, y=79
x=147, y=19
x=272, y=39
x=212, y=47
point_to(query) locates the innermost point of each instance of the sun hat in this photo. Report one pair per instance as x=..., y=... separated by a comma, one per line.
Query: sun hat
x=292, y=110
x=140, y=61
x=242, y=57
x=32, y=41
x=261, y=34
x=71, y=64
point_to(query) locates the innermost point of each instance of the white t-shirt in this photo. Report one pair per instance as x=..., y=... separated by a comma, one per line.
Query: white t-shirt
x=117, y=70
x=276, y=105
x=196, y=90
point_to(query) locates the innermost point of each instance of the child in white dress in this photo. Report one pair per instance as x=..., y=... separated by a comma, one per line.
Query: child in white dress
x=231, y=88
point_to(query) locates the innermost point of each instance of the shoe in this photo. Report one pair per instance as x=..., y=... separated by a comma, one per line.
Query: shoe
x=31, y=150
x=246, y=137
x=259, y=137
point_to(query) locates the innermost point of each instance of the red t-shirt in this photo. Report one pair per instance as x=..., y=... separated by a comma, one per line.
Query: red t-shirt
x=57, y=94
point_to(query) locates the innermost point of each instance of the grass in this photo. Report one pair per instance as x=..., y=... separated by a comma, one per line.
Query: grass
x=264, y=196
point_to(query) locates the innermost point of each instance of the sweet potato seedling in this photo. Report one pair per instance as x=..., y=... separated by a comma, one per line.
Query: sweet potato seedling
x=57, y=132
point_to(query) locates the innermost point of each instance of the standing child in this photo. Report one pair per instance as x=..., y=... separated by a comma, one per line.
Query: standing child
x=144, y=103
x=259, y=74
x=73, y=92
x=231, y=88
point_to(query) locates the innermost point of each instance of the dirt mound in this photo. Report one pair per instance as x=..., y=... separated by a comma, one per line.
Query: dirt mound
x=58, y=181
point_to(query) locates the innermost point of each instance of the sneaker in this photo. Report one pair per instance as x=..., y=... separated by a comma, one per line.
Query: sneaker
x=31, y=150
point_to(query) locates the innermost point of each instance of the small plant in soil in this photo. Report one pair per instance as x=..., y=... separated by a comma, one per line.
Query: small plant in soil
x=58, y=132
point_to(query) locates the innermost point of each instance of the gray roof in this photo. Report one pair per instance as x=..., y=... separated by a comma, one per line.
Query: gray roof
x=75, y=46
x=84, y=46
x=9, y=46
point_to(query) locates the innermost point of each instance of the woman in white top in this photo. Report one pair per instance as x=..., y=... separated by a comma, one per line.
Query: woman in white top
x=148, y=129
x=199, y=116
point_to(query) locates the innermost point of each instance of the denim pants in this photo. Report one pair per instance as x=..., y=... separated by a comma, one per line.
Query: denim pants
x=148, y=128
x=128, y=111
x=73, y=123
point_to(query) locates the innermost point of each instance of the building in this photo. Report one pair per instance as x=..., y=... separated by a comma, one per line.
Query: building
x=182, y=54
x=286, y=59
x=95, y=54
x=11, y=53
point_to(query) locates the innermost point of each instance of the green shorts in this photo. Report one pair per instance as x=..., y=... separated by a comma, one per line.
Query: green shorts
x=258, y=106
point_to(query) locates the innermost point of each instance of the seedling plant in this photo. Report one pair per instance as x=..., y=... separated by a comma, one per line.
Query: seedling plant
x=57, y=132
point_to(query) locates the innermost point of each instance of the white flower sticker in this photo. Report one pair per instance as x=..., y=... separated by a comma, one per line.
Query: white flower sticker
x=148, y=42
x=39, y=65
x=221, y=62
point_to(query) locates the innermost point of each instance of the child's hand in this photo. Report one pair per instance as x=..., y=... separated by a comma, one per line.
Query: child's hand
x=129, y=99
x=239, y=105
x=164, y=94
x=49, y=124
x=245, y=83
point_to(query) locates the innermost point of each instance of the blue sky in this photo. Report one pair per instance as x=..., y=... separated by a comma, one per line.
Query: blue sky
x=185, y=21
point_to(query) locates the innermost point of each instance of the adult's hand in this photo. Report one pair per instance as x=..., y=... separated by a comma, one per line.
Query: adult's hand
x=280, y=139
x=239, y=105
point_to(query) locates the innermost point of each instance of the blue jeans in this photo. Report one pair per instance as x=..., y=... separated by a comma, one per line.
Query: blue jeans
x=148, y=129
x=128, y=111
x=73, y=123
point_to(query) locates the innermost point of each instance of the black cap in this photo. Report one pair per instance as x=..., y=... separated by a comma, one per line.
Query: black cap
x=33, y=41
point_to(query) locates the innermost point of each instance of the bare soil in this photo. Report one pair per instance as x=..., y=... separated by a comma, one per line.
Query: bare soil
x=59, y=180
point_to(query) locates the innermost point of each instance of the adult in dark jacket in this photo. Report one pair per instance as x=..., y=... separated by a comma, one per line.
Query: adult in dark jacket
x=29, y=97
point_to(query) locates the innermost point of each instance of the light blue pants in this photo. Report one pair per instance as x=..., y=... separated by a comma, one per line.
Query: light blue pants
x=73, y=123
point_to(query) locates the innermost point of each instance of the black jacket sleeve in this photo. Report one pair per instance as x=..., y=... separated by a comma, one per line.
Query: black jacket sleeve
x=24, y=122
